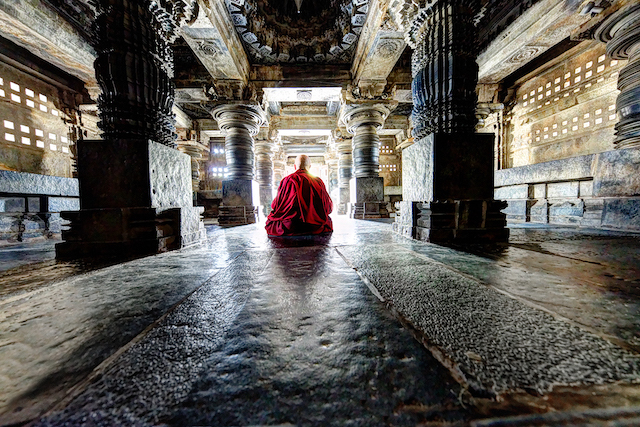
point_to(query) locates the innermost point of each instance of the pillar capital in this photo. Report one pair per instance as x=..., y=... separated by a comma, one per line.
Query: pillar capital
x=364, y=115
x=246, y=116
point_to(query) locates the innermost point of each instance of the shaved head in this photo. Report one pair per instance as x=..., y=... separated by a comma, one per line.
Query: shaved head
x=303, y=162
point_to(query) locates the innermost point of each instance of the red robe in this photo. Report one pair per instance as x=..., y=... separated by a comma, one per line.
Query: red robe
x=302, y=206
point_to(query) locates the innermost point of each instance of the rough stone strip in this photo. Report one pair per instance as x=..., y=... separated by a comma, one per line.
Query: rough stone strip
x=597, y=417
x=497, y=343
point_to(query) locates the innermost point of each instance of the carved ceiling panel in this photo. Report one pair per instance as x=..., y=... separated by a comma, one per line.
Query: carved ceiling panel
x=299, y=31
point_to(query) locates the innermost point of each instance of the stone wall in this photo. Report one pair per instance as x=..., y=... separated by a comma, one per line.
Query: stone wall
x=30, y=205
x=568, y=109
x=33, y=135
x=597, y=190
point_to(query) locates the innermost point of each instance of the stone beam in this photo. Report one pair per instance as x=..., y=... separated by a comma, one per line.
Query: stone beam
x=379, y=48
x=539, y=28
x=213, y=39
x=39, y=29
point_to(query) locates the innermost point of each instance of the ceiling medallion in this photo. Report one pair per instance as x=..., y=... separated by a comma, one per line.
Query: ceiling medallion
x=293, y=31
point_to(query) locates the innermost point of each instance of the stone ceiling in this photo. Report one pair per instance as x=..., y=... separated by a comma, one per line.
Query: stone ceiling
x=276, y=31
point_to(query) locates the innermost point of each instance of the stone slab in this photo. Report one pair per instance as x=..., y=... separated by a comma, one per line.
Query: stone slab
x=563, y=189
x=494, y=343
x=621, y=213
x=12, y=204
x=31, y=183
x=573, y=168
x=240, y=192
x=367, y=189
x=512, y=192
x=169, y=177
x=617, y=173
x=59, y=204
x=448, y=167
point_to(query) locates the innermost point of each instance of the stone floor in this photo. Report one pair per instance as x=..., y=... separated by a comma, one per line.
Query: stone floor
x=248, y=330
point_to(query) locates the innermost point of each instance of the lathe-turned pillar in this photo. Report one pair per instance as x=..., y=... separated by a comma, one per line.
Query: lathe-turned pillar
x=240, y=191
x=135, y=187
x=621, y=32
x=345, y=173
x=366, y=187
x=447, y=174
x=264, y=174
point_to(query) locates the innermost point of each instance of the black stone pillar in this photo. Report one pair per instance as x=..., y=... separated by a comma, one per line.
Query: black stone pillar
x=367, y=189
x=345, y=173
x=240, y=191
x=448, y=171
x=264, y=174
x=135, y=188
x=621, y=32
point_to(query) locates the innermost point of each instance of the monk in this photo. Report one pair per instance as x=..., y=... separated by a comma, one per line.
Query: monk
x=302, y=205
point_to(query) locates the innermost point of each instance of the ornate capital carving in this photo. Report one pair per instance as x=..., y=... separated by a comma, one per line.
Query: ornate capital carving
x=235, y=116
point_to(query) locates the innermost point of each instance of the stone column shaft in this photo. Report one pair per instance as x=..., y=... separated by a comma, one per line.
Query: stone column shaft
x=367, y=189
x=345, y=173
x=264, y=173
x=240, y=124
x=621, y=32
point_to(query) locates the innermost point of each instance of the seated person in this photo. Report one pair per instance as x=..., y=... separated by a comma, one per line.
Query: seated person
x=302, y=205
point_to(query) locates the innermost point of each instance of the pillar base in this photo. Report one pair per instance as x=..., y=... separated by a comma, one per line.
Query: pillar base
x=231, y=216
x=368, y=210
x=458, y=221
x=238, y=206
x=129, y=232
x=135, y=198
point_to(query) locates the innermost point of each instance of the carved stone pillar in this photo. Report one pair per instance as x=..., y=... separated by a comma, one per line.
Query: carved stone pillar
x=194, y=150
x=367, y=189
x=345, y=173
x=135, y=188
x=447, y=174
x=240, y=124
x=621, y=32
x=264, y=173
x=279, y=169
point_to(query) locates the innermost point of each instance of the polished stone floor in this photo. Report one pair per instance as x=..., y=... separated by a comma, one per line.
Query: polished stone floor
x=249, y=330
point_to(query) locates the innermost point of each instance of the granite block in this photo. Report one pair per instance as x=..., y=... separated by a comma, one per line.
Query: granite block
x=33, y=204
x=566, y=208
x=586, y=188
x=240, y=192
x=540, y=191
x=573, y=168
x=367, y=189
x=617, y=173
x=623, y=213
x=512, y=192
x=59, y=204
x=169, y=177
x=449, y=167
x=563, y=189
x=516, y=208
x=12, y=204
x=31, y=183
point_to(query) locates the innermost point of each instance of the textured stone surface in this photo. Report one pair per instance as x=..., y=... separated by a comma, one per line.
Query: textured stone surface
x=169, y=177
x=448, y=167
x=563, y=189
x=30, y=183
x=512, y=192
x=557, y=170
x=367, y=189
x=59, y=204
x=240, y=192
x=622, y=213
x=617, y=173
x=509, y=345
